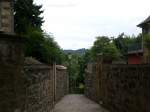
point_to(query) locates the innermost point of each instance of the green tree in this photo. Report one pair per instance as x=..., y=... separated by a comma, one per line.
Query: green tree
x=75, y=66
x=28, y=22
x=124, y=43
x=43, y=47
x=104, y=45
x=33, y=44
x=26, y=14
x=52, y=51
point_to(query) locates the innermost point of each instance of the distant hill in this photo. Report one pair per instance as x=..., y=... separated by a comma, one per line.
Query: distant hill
x=79, y=51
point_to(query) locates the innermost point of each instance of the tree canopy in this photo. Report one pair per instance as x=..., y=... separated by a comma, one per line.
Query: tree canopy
x=43, y=47
x=124, y=43
x=103, y=45
x=38, y=44
x=26, y=14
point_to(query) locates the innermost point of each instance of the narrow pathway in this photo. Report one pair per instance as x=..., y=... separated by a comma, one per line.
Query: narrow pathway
x=77, y=103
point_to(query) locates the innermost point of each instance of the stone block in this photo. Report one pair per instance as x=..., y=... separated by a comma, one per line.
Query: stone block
x=11, y=58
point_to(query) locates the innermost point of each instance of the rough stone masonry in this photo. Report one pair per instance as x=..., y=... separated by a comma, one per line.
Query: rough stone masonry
x=11, y=79
x=6, y=16
x=23, y=87
x=120, y=88
x=39, y=95
x=27, y=87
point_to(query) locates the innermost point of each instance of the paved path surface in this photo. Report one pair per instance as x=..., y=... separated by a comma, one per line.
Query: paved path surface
x=77, y=103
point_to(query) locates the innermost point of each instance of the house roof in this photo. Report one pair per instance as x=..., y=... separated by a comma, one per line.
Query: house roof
x=135, y=48
x=136, y=52
x=146, y=21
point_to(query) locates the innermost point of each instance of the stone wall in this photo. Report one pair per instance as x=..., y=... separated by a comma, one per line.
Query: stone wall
x=12, y=87
x=6, y=16
x=61, y=82
x=26, y=87
x=91, y=82
x=122, y=88
x=39, y=88
x=45, y=85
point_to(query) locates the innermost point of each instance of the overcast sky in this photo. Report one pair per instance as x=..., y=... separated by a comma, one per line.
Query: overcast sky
x=76, y=23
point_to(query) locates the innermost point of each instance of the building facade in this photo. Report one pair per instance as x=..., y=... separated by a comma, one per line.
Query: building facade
x=138, y=54
x=145, y=25
x=135, y=54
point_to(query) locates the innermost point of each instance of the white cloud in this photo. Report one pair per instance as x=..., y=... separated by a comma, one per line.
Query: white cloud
x=75, y=23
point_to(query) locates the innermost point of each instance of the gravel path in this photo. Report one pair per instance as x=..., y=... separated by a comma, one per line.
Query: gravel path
x=77, y=103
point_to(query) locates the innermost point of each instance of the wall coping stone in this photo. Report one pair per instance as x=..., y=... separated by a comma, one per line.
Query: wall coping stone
x=11, y=37
x=37, y=66
x=61, y=67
